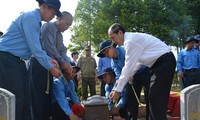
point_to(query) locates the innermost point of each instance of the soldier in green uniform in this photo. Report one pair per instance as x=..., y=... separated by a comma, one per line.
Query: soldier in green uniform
x=88, y=73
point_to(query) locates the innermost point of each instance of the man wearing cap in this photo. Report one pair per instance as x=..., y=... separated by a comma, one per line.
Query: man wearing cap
x=188, y=63
x=52, y=43
x=102, y=64
x=19, y=43
x=63, y=89
x=197, y=43
x=109, y=77
x=145, y=49
x=140, y=79
x=88, y=73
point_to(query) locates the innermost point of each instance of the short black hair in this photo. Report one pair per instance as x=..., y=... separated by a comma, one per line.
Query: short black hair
x=116, y=27
x=1, y=33
x=74, y=53
x=65, y=14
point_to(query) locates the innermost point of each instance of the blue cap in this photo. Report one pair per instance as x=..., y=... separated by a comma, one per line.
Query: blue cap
x=105, y=71
x=55, y=4
x=189, y=39
x=197, y=37
x=103, y=45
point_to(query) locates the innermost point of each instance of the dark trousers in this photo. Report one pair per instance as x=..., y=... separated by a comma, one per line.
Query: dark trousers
x=76, y=83
x=140, y=80
x=14, y=78
x=88, y=81
x=162, y=74
x=191, y=78
x=102, y=88
x=58, y=113
x=123, y=113
x=40, y=94
x=181, y=83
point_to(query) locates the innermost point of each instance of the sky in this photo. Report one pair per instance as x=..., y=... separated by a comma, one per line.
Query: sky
x=10, y=9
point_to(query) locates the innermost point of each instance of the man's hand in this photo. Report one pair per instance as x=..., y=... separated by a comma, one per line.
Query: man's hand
x=114, y=95
x=55, y=72
x=73, y=117
x=54, y=63
x=180, y=75
x=115, y=111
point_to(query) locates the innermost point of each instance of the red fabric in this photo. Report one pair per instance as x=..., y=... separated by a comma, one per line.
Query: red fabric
x=171, y=102
x=176, y=109
x=78, y=110
x=174, y=105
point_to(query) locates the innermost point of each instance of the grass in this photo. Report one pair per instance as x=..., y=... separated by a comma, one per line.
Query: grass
x=98, y=87
x=175, y=86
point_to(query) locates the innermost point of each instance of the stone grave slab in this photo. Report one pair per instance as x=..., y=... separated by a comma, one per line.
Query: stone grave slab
x=190, y=103
x=7, y=105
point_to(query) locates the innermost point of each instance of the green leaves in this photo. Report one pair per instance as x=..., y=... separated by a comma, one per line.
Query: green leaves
x=170, y=20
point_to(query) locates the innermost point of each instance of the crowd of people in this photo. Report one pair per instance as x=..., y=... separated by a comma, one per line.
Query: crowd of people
x=46, y=87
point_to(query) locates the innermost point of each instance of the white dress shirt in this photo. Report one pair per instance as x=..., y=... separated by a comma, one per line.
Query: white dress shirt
x=141, y=48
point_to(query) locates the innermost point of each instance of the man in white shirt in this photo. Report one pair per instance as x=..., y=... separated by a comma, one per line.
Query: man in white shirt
x=142, y=48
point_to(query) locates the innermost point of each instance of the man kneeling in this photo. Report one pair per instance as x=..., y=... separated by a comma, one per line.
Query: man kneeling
x=62, y=90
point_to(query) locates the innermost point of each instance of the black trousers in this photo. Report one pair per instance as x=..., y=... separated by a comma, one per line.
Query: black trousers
x=40, y=94
x=140, y=80
x=103, y=92
x=58, y=113
x=14, y=78
x=162, y=74
x=191, y=78
x=76, y=83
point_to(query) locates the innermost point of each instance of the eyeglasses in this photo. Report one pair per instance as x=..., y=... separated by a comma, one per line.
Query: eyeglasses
x=106, y=51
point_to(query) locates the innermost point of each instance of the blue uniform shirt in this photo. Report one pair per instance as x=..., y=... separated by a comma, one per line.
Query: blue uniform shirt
x=122, y=101
x=103, y=63
x=63, y=89
x=22, y=38
x=188, y=59
x=118, y=64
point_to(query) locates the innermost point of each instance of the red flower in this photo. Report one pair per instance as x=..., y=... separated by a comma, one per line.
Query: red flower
x=78, y=110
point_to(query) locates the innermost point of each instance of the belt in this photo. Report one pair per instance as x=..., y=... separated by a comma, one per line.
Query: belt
x=10, y=55
x=191, y=70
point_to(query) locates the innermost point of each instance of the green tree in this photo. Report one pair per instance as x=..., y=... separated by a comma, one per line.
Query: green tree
x=168, y=20
x=88, y=24
x=193, y=7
